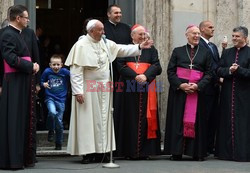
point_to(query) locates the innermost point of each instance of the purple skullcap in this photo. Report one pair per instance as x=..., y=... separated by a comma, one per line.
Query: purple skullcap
x=191, y=26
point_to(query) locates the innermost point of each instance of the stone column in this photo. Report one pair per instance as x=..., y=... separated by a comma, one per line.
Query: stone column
x=154, y=15
x=4, y=5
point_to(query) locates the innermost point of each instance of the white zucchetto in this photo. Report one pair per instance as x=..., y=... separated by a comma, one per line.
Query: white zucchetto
x=91, y=24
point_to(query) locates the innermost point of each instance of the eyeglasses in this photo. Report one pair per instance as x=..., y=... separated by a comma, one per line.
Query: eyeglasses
x=25, y=17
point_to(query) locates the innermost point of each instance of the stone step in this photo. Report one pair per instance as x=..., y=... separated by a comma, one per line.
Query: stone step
x=42, y=139
x=44, y=147
x=50, y=151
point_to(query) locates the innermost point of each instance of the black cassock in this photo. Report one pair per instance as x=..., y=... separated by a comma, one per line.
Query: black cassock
x=31, y=41
x=130, y=109
x=15, y=104
x=233, y=138
x=120, y=34
x=1, y=64
x=175, y=143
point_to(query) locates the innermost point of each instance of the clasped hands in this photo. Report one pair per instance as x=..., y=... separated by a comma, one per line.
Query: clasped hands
x=189, y=88
x=141, y=78
x=234, y=67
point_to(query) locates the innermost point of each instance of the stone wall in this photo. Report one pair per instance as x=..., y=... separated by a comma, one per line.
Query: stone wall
x=154, y=15
x=167, y=19
x=4, y=5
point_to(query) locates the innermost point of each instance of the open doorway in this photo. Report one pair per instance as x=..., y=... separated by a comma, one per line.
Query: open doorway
x=62, y=24
x=62, y=20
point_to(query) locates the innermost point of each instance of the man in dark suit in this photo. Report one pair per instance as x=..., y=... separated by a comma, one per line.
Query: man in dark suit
x=212, y=90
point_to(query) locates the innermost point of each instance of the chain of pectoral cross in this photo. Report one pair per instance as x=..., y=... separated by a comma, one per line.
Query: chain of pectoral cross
x=192, y=56
x=137, y=59
x=98, y=51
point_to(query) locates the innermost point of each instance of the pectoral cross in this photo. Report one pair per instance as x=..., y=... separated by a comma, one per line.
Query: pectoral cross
x=137, y=65
x=191, y=65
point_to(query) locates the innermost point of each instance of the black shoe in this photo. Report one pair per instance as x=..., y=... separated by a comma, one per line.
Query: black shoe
x=102, y=158
x=198, y=159
x=138, y=158
x=29, y=165
x=210, y=152
x=51, y=135
x=176, y=157
x=87, y=159
x=58, y=147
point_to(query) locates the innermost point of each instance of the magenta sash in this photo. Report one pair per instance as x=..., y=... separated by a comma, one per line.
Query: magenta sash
x=9, y=69
x=191, y=101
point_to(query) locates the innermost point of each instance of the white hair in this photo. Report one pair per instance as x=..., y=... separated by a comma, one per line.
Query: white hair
x=91, y=24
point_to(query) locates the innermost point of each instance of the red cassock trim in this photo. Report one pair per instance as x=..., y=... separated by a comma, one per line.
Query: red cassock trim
x=152, y=99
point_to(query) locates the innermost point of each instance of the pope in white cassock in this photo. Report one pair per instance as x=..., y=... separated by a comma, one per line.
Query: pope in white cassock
x=88, y=60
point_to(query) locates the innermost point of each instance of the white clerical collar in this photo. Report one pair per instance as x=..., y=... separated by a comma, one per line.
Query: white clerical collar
x=241, y=47
x=91, y=39
x=113, y=22
x=15, y=28
x=192, y=46
x=206, y=40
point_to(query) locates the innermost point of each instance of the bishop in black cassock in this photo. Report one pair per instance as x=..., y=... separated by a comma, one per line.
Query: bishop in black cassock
x=179, y=140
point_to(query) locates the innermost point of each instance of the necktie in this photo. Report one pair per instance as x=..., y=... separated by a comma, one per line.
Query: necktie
x=211, y=47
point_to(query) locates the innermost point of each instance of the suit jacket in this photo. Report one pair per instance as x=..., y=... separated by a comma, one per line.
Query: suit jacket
x=212, y=88
x=215, y=54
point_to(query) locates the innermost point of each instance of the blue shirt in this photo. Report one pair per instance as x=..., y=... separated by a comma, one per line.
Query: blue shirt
x=58, y=83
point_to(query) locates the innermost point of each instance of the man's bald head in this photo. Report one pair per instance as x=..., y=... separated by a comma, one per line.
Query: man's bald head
x=207, y=29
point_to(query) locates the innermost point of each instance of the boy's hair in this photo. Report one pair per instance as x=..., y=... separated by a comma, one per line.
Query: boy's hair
x=56, y=56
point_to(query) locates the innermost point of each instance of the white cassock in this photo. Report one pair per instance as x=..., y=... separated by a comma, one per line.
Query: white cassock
x=90, y=122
